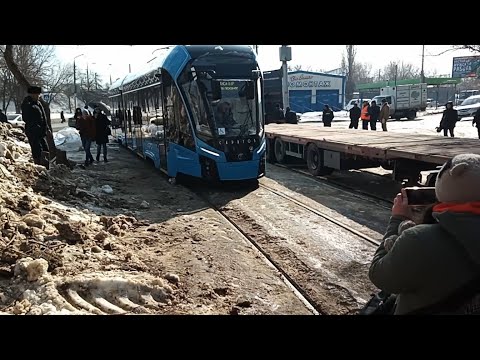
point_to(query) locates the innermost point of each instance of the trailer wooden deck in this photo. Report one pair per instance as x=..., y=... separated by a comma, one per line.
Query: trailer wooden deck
x=376, y=144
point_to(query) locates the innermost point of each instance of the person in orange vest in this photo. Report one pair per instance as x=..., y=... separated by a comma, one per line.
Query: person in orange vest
x=364, y=115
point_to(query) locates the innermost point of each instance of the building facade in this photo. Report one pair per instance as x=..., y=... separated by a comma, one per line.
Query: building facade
x=310, y=91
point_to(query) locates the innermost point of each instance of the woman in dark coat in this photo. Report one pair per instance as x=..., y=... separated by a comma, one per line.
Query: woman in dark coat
x=449, y=119
x=101, y=123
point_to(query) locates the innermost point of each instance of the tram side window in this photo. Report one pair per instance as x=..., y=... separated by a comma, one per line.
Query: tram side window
x=185, y=137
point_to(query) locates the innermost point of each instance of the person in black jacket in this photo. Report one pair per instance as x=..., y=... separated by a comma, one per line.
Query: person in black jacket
x=290, y=116
x=36, y=125
x=449, y=119
x=102, y=132
x=3, y=117
x=374, y=112
x=354, y=116
x=327, y=116
x=278, y=115
x=476, y=120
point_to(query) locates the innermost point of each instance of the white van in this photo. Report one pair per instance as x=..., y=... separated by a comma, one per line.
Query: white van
x=358, y=101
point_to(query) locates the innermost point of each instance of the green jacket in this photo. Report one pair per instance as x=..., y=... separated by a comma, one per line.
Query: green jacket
x=428, y=262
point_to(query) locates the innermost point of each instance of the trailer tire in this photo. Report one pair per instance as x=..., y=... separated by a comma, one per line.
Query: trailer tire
x=315, y=161
x=412, y=115
x=280, y=151
x=270, y=151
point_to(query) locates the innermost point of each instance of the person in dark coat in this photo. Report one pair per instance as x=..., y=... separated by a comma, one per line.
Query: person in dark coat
x=36, y=125
x=102, y=131
x=290, y=116
x=62, y=116
x=354, y=116
x=278, y=115
x=86, y=128
x=327, y=116
x=449, y=119
x=476, y=120
x=374, y=112
x=3, y=117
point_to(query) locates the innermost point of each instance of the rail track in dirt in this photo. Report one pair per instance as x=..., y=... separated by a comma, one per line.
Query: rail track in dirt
x=356, y=192
x=293, y=266
x=291, y=283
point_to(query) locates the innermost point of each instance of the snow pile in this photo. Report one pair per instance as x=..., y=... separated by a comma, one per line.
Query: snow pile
x=67, y=139
x=114, y=292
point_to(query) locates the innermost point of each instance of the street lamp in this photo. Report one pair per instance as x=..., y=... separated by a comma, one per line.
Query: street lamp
x=75, y=81
x=110, y=74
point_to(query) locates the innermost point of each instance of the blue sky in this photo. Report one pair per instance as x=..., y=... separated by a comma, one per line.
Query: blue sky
x=114, y=60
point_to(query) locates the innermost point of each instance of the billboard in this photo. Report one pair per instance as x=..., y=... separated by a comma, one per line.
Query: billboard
x=466, y=66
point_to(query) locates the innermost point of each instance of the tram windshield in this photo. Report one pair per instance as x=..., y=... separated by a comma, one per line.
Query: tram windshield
x=222, y=107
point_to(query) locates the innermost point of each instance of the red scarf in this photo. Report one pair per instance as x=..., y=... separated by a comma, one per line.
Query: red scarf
x=470, y=207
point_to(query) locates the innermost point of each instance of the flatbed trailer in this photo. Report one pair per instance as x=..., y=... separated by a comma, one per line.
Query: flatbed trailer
x=327, y=149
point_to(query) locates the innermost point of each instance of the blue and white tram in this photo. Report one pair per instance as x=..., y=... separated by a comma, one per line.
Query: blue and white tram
x=195, y=110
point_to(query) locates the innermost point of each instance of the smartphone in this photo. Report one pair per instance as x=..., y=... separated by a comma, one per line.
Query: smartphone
x=420, y=195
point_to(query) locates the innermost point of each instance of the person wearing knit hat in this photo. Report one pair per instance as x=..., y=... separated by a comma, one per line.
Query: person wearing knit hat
x=36, y=125
x=431, y=267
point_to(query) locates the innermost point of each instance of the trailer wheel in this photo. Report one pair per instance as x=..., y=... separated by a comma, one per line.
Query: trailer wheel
x=315, y=161
x=280, y=150
x=270, y=151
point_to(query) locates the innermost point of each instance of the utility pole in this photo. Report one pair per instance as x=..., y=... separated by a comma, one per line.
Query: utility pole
x=96, y=84
x=75, y=81
x=285, y=56
x=423, y=59
x=396, y=72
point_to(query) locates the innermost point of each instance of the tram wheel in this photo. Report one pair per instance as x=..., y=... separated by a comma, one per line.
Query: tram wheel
x=315, y=161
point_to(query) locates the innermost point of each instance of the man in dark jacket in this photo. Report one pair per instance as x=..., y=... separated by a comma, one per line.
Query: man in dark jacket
x=290, y=116
x=327, y=116
x=476, y=120
x=3, y=117
x=277, y=115
x=354, y=116
x=101, y=134
x=449, y=119
x=36, y=125
x=428, y=263
x=374, y=112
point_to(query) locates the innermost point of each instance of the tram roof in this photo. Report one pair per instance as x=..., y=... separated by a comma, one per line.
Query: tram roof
x=171, y=58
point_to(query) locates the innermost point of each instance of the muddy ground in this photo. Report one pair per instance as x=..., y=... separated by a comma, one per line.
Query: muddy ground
x=116, y=237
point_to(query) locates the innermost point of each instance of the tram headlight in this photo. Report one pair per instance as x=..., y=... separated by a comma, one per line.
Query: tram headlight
x=250, y=148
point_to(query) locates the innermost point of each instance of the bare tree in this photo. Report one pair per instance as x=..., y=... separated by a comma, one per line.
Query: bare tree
x=348, y=67
x=58, y=80
x=362, y=73
x=400, y=71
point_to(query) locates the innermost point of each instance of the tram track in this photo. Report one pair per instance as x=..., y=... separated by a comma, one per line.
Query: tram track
x=360, y=194
x=321, y=214
x=317, y=296
x=298, y=290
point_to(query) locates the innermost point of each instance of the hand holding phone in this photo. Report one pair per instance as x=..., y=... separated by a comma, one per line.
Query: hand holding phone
x=420, y=196
x=401, y=206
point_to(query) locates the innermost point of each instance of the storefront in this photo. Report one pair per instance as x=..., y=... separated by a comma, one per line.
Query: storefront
x=310, y=91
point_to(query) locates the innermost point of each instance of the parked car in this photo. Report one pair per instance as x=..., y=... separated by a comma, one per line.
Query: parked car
x=358, y=101
x=468, y=107
x=16, y=120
